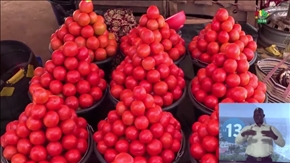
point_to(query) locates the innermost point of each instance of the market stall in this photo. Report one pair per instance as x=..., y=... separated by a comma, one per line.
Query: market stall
x=121, y=89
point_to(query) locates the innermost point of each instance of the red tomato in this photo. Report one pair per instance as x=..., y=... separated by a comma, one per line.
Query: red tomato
x=219, y=75
x=53, y=134
x=213, y=48
x=9, y=151
x=141, y=122
x=40, y=96
x=249, y=53
x=123, y=158
x=51, y=119
x=38, y=153
x=222, y=15
x=197, y=151
x=69, y=141
x=167, y=156
x=259, y=95
x=233, y=80
x=210, y=101
x=223, y=37
x=131, y=133
x=68, y=126
x=160, y=88
x=19, y=158
x=122, y=145
x=73, y=155
x=54, y=102
x=145, y=136
x=210, y=143
x=230, y=65
x=239, y=94
x=37, y=137
x=33, y=124
x=219, y=90
x=54, y=148
x=137, y=148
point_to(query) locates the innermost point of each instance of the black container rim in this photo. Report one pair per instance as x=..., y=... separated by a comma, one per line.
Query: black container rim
x=167, y=108
x=85, y=110
x=202, y=107
x=177, y=158
x=85, y=157
x=202, y=64
x=67, y=2
x=107, y=60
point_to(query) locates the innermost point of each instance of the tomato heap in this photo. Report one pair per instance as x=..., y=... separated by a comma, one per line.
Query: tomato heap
x=222, y=31
x=204, y=141
x=71, y=76
x=140, y=128
x=153, y=35
x=46, y=132
x=87, y=29
x=227, y=79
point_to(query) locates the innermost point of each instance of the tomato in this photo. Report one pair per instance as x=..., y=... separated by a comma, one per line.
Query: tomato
x=239, y=94
x=21, y=130
x=160, y=88
x=197, y=151
x=123, y=158
x=219, y=75
x=223, y=37
x=141, y=122
x=19, y=158
x=34, y=124
x=54, y=148
x=68, y=126
x=54, y=102
x=110, y=155
x=227, y=26
x=9, y=151
x=252, y=45
x=215, y=25
x=167, y=156
x=59, y=73
x=69, y=141
x=206, y=84
x=232, y=51
x=222, y=15
x=213, y=48
x=202, y=131
x=210, y=36
x=259, y=95
x=51, y=119
x=55, y=43
x=210, y=101
x=37, y=137
x=131, y=133
x=233, y=80
x=262, y=86
x=219, y=90
x=240, y=44
x=245, y=78
x=244, y=39
x=110, y=139
x=152, y=12
x=243, y=66
x=249, y=53
x=210, y=143
x=38, y=153
x=53, y=134
x=73, y=155
x=137, y=148
x=202, y=45
x=208, y=158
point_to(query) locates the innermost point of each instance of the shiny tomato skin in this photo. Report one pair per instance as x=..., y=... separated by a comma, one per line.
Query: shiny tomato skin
x=54, y=148
x=122, y=145
x=53, y=134
x=137, y=148
x=73, y=156
x=19, y=158
x=54, y=102
x=9, y=151
x=38, y=153
x=68, y=126
x=51, y=119
x=37, y=137
x=69, y=141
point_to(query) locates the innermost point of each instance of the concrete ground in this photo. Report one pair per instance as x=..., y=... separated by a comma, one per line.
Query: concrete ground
x=31, y=22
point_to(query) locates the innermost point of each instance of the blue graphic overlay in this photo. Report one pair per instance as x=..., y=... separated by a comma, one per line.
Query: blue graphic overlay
x=234, y=117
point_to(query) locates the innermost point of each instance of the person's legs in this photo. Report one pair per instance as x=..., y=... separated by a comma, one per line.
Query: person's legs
x=254, y=160
x=268, y=160
x=251, y=160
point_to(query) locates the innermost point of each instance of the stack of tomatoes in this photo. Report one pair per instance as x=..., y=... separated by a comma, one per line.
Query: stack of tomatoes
x=227, y=79
x=140, y=128
x=46, y=132
x=217, y=35
x=204, y=141
x=154, y=34
x=148, y=65
x=87, y=29
x=70, y=75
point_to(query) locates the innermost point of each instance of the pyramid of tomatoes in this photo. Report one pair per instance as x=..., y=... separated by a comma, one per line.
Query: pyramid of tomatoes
x=227, y=78
x=86, y=29
x=140, y=129
x=69, y=74
x=204, y=140
x=217, y=35
x=149, y=65
x=47, y=131
x=154, y=34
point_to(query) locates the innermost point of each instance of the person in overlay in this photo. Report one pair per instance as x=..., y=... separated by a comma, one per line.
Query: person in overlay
x=259, y=137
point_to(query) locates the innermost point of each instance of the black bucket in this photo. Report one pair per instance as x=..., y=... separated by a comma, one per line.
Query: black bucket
x=197, y=64
x=202, y=108
x=62, y=9
x=173, y=108
x=178, y=155
x=106, y=66
x=17, y=65
x=86, y=156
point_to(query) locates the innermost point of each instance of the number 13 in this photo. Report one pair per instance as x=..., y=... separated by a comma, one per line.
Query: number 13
x=236, y=127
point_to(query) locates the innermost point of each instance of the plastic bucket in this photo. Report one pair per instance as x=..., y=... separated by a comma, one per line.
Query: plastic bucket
x=62, y=9
x=197, y=64
x=106, y=66
x=86, y=156
x=203, y=108
x=177, y=158
x=173, y=108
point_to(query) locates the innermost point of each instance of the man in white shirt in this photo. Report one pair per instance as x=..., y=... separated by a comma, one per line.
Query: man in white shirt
x=259, y=138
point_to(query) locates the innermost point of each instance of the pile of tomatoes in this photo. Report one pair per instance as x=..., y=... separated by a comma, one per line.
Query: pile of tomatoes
x=69, y=75
x=227, y=79
x=46, y=132
x=153, y=35
x=149, y=66
x=222, y=31
x=140, y=128
x=204, y=141
x=86, y=29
